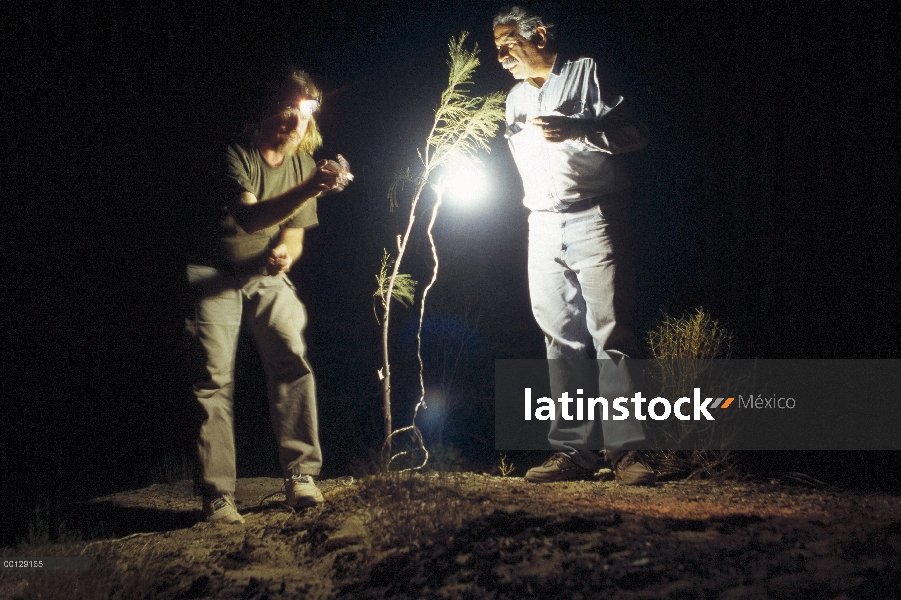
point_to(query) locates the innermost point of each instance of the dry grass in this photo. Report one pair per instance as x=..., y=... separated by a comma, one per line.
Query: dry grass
x=685, y=349
x=408, y=509
x=452, y=535
x=108, y=578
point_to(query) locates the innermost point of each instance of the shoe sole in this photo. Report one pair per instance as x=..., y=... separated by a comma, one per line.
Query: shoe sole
x=225, y=521
x=224, y=517
x=540, y=479
x=306, y=501
x=640, y=480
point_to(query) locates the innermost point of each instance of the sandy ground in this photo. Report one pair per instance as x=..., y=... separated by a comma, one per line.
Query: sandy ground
x=477, y=536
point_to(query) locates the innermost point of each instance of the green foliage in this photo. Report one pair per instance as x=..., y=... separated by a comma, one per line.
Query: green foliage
x=404, y=287
x=463, y=125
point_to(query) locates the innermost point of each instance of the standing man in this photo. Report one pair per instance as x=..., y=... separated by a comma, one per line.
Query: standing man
x=567, y=133
x=268, y=200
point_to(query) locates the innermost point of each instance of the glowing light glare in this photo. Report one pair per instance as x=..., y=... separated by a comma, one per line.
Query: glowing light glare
x=435, y=404
x=308, y=107
x=464, y=182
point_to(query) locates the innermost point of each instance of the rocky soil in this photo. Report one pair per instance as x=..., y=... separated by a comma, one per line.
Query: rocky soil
x=477, y=536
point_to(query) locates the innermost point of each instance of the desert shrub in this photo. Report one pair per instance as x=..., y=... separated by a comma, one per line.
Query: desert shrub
x=410, y=508
x=684, y=350
x=446, y=458
x=694, y=336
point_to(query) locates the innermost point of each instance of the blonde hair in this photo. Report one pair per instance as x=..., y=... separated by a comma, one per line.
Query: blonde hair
x=295, y=85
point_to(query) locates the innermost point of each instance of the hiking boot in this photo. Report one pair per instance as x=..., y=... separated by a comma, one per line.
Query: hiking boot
x=300, y=491
x=559, y=467
x=631, y=469
x=222, y=509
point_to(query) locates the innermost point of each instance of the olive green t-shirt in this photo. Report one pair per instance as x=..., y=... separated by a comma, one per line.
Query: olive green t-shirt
x=247, y=171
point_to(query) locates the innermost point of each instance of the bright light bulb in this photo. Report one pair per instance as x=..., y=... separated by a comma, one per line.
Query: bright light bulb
x=464, y=182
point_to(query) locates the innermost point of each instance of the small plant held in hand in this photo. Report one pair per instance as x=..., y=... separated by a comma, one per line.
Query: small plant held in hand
x=462, y=126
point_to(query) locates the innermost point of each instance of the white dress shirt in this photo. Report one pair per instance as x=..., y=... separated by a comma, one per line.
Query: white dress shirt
x=554, y=175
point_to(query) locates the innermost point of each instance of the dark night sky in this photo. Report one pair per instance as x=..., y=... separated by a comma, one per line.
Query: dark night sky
x=768, y=196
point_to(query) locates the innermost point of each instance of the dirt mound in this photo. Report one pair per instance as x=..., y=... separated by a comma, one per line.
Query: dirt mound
x=466, y=535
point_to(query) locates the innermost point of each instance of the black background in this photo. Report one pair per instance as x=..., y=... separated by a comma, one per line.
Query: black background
x=767, y=196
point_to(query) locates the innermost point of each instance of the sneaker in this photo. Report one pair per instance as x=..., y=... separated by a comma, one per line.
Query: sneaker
x=300, y=491
x=559, y=467
x=222, y=509
x=630, y=469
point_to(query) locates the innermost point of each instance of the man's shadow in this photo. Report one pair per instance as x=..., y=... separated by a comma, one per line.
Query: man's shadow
x=98, y=519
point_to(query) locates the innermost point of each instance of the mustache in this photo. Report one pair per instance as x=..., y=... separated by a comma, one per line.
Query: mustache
x=509, y=62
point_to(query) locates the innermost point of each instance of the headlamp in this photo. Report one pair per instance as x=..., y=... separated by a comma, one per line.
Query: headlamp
x=307, y=107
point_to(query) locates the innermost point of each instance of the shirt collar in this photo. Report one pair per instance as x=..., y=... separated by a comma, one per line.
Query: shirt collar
x=556, y=68
x=558, y=65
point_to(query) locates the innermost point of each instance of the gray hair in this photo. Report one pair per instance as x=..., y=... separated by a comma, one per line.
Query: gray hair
x=526, y=22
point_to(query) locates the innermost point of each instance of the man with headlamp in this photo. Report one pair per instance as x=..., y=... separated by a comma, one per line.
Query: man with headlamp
x=268, y=200
x=568, y=134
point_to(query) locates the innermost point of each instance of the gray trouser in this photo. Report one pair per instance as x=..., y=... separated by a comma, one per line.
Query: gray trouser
x=582, y=290
x=270, y=309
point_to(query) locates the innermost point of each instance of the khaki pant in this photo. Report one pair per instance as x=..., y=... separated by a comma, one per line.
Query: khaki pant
x=582, y=290
x=268, y=306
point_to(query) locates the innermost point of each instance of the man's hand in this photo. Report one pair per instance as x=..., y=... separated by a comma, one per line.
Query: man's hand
x=279, y=260
x=330, y=176
x=335, y=174
x=556, y=128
